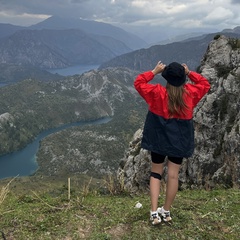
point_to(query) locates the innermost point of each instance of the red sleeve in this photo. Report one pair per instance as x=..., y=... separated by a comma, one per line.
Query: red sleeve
x=146, y=90
x=200, y=87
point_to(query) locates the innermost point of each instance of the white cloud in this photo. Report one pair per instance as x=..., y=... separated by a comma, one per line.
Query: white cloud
x=139, y=3
x=218, y=15
x=171, y=13
x=24, y=19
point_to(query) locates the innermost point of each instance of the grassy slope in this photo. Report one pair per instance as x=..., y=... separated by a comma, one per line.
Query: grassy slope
x=96, y=214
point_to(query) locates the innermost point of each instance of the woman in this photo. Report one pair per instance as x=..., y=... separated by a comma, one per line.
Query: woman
x=168, y=130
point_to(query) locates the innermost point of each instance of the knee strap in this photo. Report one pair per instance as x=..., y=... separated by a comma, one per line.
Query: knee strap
x=156, y=175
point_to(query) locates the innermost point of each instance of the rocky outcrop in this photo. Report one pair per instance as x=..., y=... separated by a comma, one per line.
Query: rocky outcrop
x=216, y=159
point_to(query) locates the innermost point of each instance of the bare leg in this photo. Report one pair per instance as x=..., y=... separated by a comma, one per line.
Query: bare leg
x=155, y=185
x=172, y=184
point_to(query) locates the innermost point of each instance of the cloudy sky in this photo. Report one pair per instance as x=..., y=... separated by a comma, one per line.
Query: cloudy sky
x=178, y=14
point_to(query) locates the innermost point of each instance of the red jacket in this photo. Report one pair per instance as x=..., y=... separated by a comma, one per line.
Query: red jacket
x=169, y=136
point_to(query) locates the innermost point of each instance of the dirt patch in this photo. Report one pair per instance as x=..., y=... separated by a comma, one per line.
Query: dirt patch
x=118, y=231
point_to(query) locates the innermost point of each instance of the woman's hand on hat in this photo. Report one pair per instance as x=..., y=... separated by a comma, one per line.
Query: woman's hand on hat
x=187, y=71
x=158, y=68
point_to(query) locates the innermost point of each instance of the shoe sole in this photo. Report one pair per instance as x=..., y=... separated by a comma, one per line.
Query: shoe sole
x=156, y=221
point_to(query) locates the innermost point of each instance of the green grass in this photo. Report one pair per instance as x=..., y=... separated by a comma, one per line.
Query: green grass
x=95, y=214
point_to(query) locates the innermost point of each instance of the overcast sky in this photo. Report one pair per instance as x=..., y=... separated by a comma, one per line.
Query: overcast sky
x=179, y=14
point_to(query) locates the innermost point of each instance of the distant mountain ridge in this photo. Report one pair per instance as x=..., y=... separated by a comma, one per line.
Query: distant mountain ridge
x=58, y=48
x=189, y=51
x=234, y=30
x=195, y=36
x=9, y=29
x=61, y=42
x=92, y=27
x=12, y=73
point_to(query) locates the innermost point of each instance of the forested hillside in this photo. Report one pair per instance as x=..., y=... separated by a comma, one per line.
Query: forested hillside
x=31, y=106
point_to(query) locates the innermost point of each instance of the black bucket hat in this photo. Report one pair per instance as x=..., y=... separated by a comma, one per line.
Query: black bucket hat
x=174, y=73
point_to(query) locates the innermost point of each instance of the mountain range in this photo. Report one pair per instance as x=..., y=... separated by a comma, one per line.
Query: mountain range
x=92, y=27
x=59, y=42
x=31, y=106
x=189, y=51
x=58, y=48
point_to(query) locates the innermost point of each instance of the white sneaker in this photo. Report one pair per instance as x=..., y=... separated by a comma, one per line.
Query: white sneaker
x=154, y=218
x=165, y=214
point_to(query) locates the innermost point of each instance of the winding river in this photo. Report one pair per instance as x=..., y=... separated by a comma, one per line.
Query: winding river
x=24, y=162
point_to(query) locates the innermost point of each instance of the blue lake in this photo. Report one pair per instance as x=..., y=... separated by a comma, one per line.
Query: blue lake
x=24, y=162
x=78, y=69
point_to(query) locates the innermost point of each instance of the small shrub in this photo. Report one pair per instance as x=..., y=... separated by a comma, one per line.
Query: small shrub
x=216, y=37
x=223, y=71
x=114, y=185
x=198, y=69
x=235, y=43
